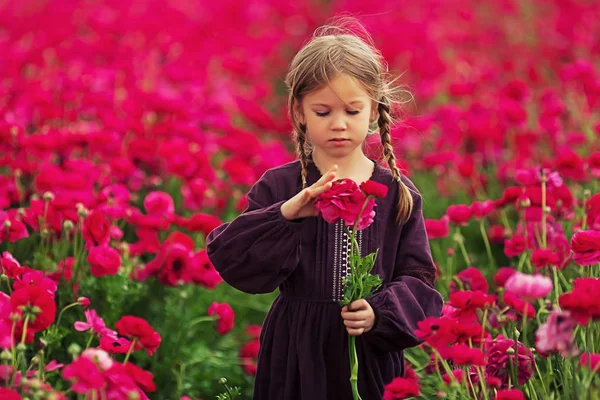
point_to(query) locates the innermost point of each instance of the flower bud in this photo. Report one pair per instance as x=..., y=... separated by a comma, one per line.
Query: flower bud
x=34, y=196
x=441, y=394
x=133, y=395
x=74, y=349
x=223, y=380
x=524, y=202
x=48, y=196
x=35, y=360
x=7, y=224
x=587, y=194
x=21, y=347
x=83, y=301
x=82, y=212
x=6, y=355
x=517, y=333
x=34, y=383
x=68, y=226
x=21, y=212
x=510, y=350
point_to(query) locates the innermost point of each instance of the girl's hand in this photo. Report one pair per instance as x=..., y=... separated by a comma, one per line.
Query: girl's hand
x=301, y=205
x=360, y=319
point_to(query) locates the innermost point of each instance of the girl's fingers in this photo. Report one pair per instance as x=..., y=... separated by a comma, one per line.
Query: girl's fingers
x=355, y=332
x=355, y=324
x=315, y=192
x=355, y=315
x=327, y=176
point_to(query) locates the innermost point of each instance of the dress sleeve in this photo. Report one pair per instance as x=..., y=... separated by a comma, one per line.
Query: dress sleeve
x=259, y=249
x=410, y=297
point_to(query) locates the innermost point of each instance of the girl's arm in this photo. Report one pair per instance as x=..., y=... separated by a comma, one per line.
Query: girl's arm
x=259, y=249
x=411, y=296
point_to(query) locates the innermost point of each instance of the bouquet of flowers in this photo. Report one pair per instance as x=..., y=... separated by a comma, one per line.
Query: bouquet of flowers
x=356, y=208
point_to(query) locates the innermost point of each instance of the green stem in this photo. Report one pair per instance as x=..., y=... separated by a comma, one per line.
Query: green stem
x=353, y=367
x=461, y=244
x=544, y=179
x=486, y=241
x=133, y=343
x=62, y=311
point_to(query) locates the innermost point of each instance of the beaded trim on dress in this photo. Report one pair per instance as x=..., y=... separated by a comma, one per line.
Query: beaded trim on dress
x=341, y=252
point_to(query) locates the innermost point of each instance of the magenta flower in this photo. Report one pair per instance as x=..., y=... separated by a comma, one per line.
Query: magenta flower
x=344, y=201
x=529, y=286
x=104, y=260
x=95, y=324
x=556, y=334
x=225, y=316
x=499, y=358
x=159, y=203
x=586, y=247
x=85, y=375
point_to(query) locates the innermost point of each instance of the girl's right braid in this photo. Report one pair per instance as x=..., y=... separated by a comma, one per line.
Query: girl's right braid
x=405, y=201
x=300, y=130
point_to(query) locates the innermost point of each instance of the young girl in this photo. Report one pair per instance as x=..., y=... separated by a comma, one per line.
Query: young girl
x=337, y=91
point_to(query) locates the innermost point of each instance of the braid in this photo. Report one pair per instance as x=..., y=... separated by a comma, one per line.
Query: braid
x=300, y=139
x=405, y=200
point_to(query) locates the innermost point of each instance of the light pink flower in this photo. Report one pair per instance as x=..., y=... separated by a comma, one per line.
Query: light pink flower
x=95, y=324
x=529, y=286
x=556, y=334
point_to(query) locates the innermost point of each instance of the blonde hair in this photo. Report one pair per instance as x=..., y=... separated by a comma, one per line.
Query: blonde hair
x=346, y=47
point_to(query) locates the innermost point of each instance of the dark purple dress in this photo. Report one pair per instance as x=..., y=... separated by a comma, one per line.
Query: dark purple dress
x=304, y=344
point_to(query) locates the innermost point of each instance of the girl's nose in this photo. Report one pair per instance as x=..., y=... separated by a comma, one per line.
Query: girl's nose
x=338, y=122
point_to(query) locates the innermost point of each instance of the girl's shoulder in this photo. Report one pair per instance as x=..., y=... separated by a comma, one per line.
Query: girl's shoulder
x=283, y=180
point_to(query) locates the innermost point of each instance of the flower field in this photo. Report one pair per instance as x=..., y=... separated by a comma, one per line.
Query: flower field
x=130, y=129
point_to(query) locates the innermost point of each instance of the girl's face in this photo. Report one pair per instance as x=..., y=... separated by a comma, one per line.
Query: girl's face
x=337, y=117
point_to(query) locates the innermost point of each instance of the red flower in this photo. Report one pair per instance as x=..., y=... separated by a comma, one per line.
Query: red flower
x=509, y=196
x=173, y=263
x=401, y=388
x=543, y=257
x=582, y=300
x=141, y=377
x=85, y=375
x=345, y=201
x=96, y=229
x=503, y=274
x=200, y=222
x=500, y=360
x=104, y=260
x=462, y=354
x=592, y=206
x=249, y=356
x=203, y=271
x=467, y=302
x=159, y=204
x=9, y=394
x=115, y=345
x=437, y=228
x=225, y=316
x=520, y=306
x=372, y=188
x=472, y=279
x=482, y=209
x=512, y=394
x=36, y=303
x=137, y=328
x=586, y=247
x=590, y=360
x=459, y=214
x=514, y=246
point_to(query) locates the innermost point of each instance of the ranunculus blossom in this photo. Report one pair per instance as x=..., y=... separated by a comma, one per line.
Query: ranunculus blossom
x=9, y=394
x=138, y=329
x=104, y=260
x=459, y=214
x=586, y=247
x=472, y=279
x=482, y=209
x=582, y=301
x=437, y=228
x=344, y=201
x=159, y=203
x=36, y=278
x=95, y=324
x=591, y=361
x=249, y=356
x=462, y=354
x=529, y=286
x=556, y=334
x=499, y=361
x=36, y=303
x=514, y=246
x=503, y=274
x=85, y=375
x=203, y=271
x=510, y=394
x=544, y=257
x=401, y=388
x=372, y=188
x=519, y=305
x=592, y=207
x=225, y=316
x=96, y=229
x=143, y=378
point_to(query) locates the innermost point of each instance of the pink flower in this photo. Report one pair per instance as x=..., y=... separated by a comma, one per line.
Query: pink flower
x=85, y=375
x=482, y=209
x=95, y=324
x=103, y=261
x=500, y=358
x=372, y=188
x=586, y=247
x=203, y=271
x=9, y=394
x=590, y=360
x=36, y=278
x=99, y=357
x=159, y=203
x=556, y=334
x=543, y=257
x=96, y=229
x=437, y=228
x=225, y=316
x=510, y=394
x=459, y=214
x=345, y=201
x=529, y=286
x=472, y=279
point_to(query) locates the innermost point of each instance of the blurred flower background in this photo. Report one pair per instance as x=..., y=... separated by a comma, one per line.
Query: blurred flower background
x=130, y=129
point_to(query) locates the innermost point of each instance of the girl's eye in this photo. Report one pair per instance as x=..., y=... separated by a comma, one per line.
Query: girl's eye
x=352, y=112
x=321, y=114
